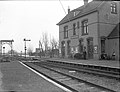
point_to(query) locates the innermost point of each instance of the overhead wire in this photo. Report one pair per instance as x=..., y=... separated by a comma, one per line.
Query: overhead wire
x=62, y=7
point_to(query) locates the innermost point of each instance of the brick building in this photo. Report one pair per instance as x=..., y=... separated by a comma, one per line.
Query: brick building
x=89, y=26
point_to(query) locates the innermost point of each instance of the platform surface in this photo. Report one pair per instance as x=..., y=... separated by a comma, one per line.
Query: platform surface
x=106, y=63
x=14, y=77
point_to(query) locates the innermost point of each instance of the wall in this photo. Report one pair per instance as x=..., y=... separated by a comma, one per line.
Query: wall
x=107, y=20
x=92, y=28
x=97, y=27
x=113, y=44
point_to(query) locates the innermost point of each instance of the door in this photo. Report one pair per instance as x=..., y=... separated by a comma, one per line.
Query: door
x=90, y=48
x=102, y=46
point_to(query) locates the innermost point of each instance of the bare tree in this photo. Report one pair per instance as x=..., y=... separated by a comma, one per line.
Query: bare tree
x=47, y=46
x=30, y=51
x=54, y=45
x=41, y=47
x=45, y=41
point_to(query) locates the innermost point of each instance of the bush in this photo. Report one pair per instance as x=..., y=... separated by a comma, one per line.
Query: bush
x=78, y=56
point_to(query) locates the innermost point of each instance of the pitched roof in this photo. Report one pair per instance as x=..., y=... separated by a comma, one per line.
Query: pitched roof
x=81, y=11
x=115, y=32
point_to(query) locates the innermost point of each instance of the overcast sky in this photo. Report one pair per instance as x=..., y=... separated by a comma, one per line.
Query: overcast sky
x=29, y=19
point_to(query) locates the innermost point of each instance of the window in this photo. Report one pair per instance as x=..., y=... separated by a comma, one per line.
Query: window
x=74, y=13
x=113, y=8
x=85, y=27
x=74, y=27
x=66, y=32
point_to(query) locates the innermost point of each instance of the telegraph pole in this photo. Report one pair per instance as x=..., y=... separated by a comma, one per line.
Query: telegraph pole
x=25, y=45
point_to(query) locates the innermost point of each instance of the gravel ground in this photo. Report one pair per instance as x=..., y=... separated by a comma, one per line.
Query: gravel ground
x=81, y=87
x=103, y=81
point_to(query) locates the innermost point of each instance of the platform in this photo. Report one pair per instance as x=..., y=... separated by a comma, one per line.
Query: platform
x=15, y=77
x=106, y=63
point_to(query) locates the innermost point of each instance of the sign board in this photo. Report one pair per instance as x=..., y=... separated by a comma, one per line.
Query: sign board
x=96, y=49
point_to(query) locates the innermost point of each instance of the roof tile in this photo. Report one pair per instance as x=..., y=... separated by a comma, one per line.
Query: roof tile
x=81, y=11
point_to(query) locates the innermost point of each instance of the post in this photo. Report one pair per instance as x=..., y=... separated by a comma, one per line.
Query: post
x=25, y=45
x=25, y=48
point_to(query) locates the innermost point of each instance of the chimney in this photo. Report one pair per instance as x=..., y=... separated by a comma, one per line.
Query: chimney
x=68, y=9
x=85, y=2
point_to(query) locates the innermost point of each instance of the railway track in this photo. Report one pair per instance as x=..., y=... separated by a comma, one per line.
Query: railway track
x=68, y=80
x=95, y=69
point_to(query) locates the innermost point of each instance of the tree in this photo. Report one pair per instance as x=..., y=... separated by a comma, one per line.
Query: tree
x=45, y=41
x=54, y=43
x=54, y=46
x=30, y=51
x=47, y=46
x=41, y=47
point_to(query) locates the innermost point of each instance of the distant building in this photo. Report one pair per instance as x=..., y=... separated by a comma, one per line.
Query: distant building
x=37, y=50
x=90, y=26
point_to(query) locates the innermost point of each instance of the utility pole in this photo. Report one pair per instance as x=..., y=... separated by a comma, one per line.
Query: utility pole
x=25, y=45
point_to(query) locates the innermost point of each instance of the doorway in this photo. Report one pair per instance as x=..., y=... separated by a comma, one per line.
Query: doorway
x=102, y=45
x=90, y=47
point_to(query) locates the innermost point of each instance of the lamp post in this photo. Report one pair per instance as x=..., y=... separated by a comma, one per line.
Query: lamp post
x=25, y=45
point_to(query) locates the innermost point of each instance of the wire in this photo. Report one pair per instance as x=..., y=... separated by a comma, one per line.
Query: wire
x=62, y=6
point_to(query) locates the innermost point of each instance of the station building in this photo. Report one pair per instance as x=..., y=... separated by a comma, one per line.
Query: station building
x=93, y=26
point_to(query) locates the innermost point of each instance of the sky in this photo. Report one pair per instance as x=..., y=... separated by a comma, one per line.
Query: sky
x=30, y=19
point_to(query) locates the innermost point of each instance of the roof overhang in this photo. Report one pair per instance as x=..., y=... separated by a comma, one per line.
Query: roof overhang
x=76, y=17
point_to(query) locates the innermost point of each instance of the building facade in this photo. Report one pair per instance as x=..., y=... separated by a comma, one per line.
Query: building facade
x=112, y=42
x=87, y=28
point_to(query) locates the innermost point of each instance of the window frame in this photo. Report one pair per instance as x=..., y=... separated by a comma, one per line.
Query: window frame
x=113, y=8
x=66, y=31
x=74, y=28
x=74, y=13
x=85, y=27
